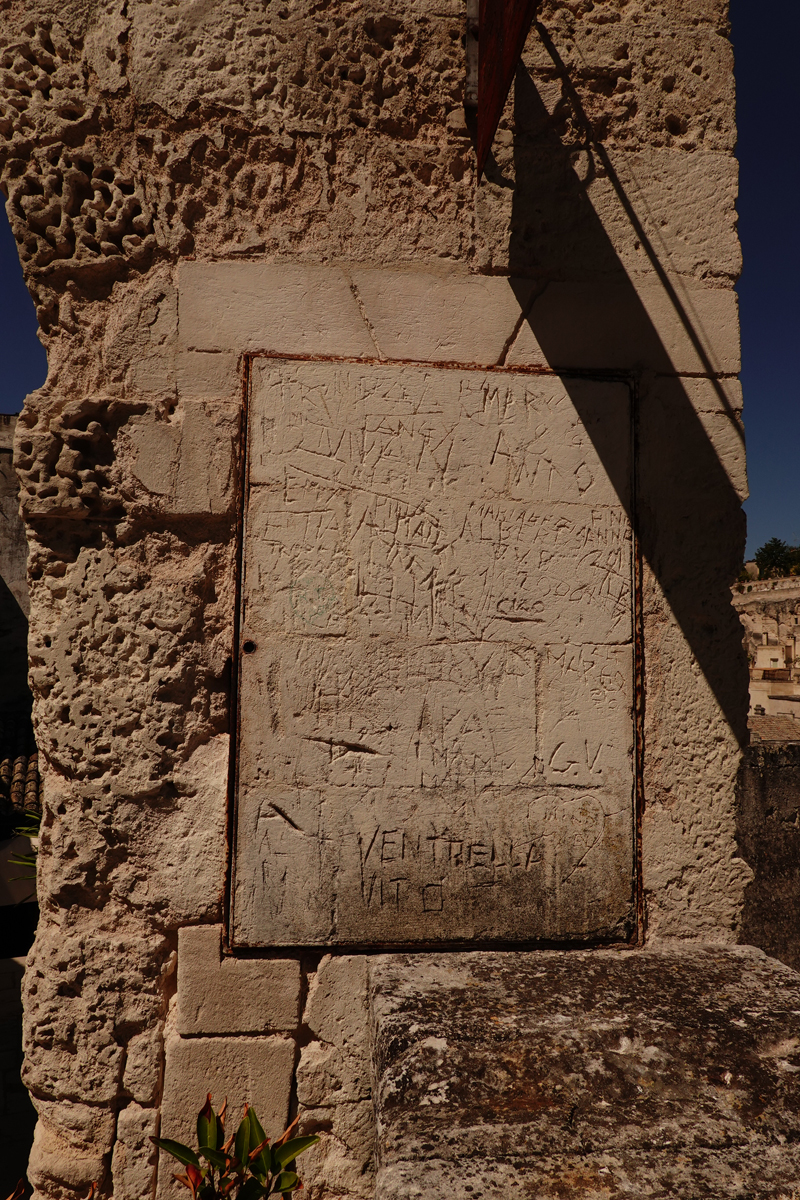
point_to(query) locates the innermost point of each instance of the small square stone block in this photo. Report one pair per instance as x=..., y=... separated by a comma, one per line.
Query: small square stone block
x=243, y=1070
x=219, y=995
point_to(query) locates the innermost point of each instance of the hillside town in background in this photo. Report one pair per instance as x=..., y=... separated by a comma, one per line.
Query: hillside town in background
x=767, y=599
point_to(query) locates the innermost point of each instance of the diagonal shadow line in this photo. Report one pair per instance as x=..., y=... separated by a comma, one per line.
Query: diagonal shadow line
x=686, y=514
x=641, y=233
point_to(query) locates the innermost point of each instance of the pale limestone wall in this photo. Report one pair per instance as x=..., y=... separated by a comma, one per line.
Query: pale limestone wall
x=139, y=136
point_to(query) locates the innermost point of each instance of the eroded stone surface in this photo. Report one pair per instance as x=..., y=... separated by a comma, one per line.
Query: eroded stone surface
x=591, y=1074
x=334, y=1081
x=437, y=623
x=133, y=1164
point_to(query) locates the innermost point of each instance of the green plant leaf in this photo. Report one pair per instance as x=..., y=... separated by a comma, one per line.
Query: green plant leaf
x=178, y=1150
x=207, y=1126
x=258, y=1167
x=257, y=1135
x=28, y=823
x=284, y=1154
x=252, y=1190
x=259, y=1163
x=287, y=1181
x=215, y=1157
x=241, y=1144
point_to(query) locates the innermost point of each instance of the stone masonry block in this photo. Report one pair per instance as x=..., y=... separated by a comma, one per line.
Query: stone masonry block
x=686, y=204
x=622, y=323
x=430, y=317
x=342, y=1162
x=219, y=995
x=186, y=462
x=444, y=672
x=70, y=1146
x=286, y=307
x=245, y=1070
x=142, y=1077
x=616, y=322
x=208, y=376
x=133, y=1164
x=334, y=1089
x=55, y=1166
x=335, y=1068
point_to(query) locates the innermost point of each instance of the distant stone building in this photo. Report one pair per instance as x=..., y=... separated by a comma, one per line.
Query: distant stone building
x=769, y=610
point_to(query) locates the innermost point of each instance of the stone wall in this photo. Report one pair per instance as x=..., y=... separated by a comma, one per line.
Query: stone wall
x=158, y=159
x=19, y=776
x=767, y=825
x=16, y=1111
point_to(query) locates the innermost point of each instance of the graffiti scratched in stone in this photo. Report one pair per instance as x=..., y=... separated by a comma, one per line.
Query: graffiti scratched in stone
x=435, y=734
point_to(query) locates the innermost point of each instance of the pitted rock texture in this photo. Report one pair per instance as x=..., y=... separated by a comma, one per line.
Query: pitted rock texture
x=135, y=131
x=587, y=1074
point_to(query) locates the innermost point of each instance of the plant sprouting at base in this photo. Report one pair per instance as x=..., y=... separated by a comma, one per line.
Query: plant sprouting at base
x=243, y=1167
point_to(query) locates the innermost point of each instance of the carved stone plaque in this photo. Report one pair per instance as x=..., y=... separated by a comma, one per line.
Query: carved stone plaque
x=435, y=736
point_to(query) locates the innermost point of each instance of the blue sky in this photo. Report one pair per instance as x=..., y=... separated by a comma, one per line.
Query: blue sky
x=765, y=37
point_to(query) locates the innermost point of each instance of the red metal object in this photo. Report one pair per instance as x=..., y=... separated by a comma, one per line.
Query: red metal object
x=503, y=26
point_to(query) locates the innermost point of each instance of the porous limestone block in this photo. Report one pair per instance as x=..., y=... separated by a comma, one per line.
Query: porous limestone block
x=667, y=74
x=285, y=307
x=89, y=990
x=617, y=321
x=144, y=1065
x=225, y=995
x=601, y=211
x=71, y=1145
x=334, y=1068
x=176, y=850
x=342, y=1163
x=134, y=1161
x=245, y=1070
x=586, y=1073
x=693, y=872
x=138, y=346
x=334, y=1081
x=684, y=204
x=436, y=684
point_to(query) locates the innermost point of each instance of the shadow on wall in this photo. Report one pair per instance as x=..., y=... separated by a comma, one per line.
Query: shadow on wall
x=17, y=1114
x=686, y=514
x=19, y=781
x=768, y=832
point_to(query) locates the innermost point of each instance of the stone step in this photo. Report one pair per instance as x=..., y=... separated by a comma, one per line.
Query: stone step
x=587, y=1074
